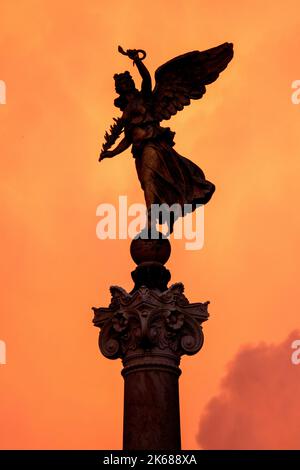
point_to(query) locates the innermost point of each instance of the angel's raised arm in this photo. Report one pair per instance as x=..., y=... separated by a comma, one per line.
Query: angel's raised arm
x=134, y=54
x=145, y=74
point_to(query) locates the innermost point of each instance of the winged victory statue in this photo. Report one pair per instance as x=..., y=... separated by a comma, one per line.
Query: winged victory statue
x=165, y=176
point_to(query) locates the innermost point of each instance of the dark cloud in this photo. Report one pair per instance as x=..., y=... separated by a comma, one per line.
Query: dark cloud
x=258, y=406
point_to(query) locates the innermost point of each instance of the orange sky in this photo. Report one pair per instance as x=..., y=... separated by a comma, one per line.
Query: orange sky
x=57, y=59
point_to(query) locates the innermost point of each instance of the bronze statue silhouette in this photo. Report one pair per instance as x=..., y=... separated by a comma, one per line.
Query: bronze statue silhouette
x=165, y=176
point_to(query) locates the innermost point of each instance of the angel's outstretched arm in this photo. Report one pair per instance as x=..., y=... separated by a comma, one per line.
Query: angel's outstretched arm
x=123, y=145
x=146, y=83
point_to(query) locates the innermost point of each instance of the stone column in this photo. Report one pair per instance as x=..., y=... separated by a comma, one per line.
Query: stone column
x=150, y=329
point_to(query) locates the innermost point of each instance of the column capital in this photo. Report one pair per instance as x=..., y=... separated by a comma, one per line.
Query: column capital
x=148, y=326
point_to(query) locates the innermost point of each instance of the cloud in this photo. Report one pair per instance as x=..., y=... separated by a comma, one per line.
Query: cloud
x=258, y=406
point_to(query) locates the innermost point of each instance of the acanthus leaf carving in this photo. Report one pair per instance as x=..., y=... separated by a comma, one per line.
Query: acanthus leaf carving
x=149, y=320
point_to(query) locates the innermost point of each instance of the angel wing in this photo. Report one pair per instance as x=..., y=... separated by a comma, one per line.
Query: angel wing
x=183, y=78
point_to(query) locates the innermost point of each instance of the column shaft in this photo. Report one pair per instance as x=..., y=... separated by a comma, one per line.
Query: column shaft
x=151, y=409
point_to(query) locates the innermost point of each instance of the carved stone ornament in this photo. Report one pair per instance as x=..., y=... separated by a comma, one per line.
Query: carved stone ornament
x=148, y=323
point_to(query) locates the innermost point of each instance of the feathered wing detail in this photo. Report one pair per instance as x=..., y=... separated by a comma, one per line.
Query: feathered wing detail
x=183, y=78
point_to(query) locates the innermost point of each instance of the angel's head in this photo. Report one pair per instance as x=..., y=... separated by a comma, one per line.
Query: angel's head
x=124, y=83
